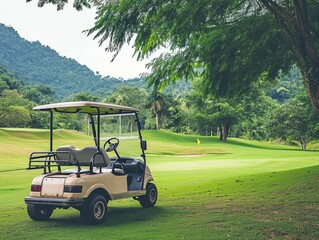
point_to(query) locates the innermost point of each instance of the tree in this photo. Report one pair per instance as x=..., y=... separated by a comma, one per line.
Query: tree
x=256, y=111
x=83, y=96
x=155, y=104
x=295, y=120
x=14, y=98
x=229, y=43
x=219, y=114
x=3, y=86
x=39, y=119
x=289, y=85
x=225, y=117
x=170, y=113
x=68, y=121
x=165, y=112
x=129, y=96
x=40, y=94
x=209, y=115
x=200, y=112
x=14, y=116
x=8, y=82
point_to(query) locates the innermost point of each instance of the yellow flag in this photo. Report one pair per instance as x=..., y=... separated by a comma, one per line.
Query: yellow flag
x=198, y=142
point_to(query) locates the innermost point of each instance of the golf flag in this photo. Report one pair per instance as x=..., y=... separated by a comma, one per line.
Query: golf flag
x=198, y=142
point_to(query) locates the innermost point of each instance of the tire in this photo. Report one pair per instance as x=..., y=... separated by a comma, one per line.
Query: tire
x=150, y=198
x=95, y=210
x=39, y=212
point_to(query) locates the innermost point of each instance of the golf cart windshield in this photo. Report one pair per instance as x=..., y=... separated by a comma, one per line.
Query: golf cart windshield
x=123, y=127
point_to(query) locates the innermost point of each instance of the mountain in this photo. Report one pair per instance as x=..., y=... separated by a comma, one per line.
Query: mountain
x=35, y=63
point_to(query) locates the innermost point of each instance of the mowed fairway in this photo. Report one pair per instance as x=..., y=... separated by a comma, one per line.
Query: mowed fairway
x=234, y=190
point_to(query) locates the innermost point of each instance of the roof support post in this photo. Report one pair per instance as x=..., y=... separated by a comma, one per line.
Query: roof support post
x=93, y=128
x=51, y=130
x=143, y=152
x=98, y=128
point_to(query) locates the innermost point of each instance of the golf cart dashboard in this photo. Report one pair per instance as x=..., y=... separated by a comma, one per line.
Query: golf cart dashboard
x=131, y=165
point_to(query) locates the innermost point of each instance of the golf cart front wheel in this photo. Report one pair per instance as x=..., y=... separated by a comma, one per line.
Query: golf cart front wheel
x=39, y=212
x=150, y=198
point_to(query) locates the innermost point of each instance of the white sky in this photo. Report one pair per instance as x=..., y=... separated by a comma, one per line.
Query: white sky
x=62, y=31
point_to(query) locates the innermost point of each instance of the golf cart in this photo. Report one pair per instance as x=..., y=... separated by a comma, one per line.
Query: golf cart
x=87, y=178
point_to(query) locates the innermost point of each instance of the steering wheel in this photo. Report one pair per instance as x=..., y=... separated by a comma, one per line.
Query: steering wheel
x=113, y=143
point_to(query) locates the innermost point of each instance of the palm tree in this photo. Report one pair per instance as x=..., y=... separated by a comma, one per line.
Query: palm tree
x=156, y=102
x=156, y=107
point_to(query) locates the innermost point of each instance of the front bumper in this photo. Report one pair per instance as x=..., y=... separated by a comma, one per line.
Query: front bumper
x=57, y=202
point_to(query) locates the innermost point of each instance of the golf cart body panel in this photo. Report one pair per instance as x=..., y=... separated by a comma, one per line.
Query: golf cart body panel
x=87, y=176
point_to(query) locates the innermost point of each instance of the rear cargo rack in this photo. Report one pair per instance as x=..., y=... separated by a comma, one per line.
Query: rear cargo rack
x=48, y=160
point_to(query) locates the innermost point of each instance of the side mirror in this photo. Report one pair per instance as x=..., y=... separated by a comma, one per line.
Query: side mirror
x=144, y=145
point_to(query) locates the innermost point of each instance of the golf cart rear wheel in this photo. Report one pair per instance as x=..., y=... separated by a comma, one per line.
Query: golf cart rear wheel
x=150, y=198
x=39, y=212
x=95, y=210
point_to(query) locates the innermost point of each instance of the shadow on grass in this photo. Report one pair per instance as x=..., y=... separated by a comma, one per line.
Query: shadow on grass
x=116, y=216
x=127, y=215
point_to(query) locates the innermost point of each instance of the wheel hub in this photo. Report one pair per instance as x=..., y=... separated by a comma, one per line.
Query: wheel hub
x=153, y=195
x=99, y=210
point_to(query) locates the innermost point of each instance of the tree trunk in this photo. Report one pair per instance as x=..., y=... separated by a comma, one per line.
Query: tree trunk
x=220, y=132
x=311, y=79
x=303, y=142
x=226, y=131
x=156, y=120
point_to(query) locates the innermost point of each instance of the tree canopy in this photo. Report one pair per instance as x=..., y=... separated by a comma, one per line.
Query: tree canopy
x=228, y=43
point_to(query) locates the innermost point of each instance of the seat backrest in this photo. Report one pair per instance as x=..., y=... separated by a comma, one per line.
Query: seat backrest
x=84, y=155
x=63, y=154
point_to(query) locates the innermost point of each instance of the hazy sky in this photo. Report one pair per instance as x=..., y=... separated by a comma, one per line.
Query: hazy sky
x=62, y=31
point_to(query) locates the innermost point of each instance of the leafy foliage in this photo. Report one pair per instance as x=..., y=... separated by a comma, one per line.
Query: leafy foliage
x=17, y=99
x=227, y=43
x=208, y=116
x=218, y=37
x=296, y=120
x=16, y=116
x=288, y=86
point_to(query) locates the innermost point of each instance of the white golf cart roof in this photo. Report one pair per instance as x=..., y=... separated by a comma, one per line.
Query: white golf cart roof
x=86, y=107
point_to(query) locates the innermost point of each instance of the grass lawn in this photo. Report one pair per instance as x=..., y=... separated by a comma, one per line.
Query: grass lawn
x=235, y=190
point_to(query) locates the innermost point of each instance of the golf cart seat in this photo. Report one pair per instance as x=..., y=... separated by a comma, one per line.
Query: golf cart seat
x=83, y=155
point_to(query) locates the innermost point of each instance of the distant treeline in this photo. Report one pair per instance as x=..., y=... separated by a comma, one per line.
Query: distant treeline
x=280, y=111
